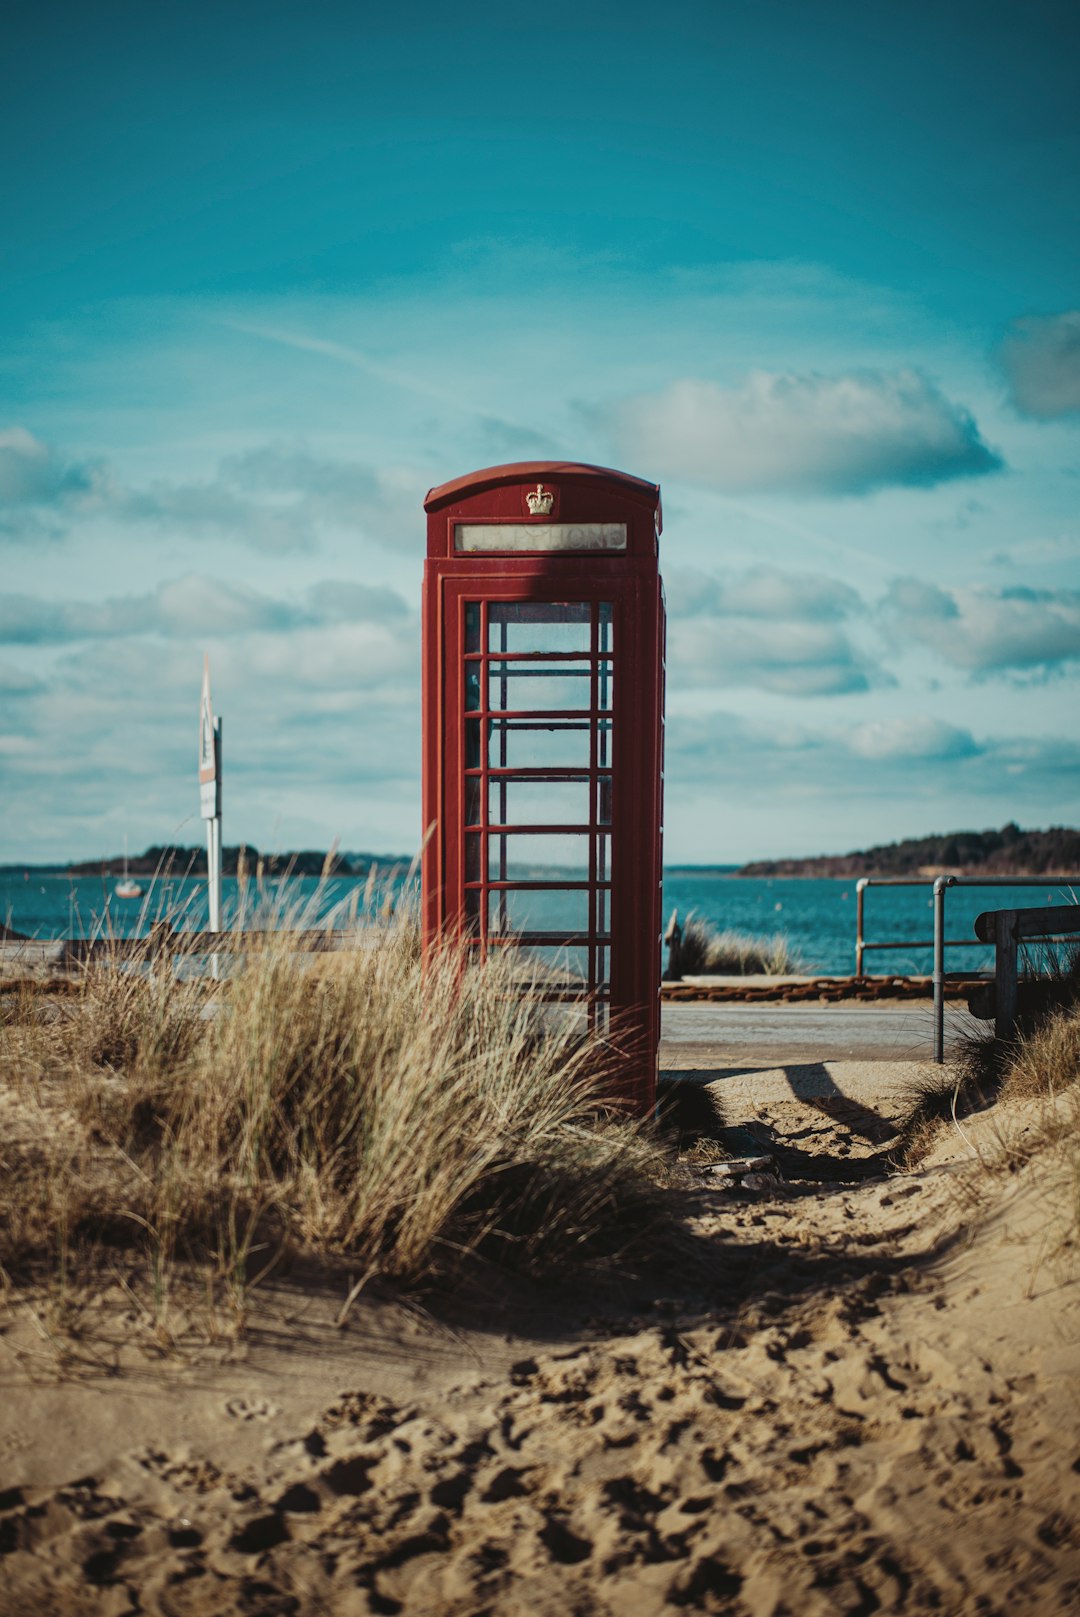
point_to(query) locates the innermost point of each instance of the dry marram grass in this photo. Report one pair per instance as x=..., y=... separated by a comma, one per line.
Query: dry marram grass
x=1047, y=1060
x=404, y=1120
x=1038, y=1064
x=704, y=950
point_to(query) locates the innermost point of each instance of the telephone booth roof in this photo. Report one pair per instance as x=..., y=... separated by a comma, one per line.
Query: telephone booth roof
x=581, y=493
x=555, y=471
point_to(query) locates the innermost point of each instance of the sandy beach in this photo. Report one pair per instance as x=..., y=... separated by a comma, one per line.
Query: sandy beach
x=871, y=1406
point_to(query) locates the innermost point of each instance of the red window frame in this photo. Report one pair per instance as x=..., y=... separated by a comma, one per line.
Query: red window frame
x=458, y=659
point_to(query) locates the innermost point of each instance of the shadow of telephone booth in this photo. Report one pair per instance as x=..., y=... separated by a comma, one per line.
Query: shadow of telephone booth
x=543, y=658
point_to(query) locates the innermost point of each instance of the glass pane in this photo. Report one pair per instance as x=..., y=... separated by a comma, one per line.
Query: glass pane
x=539, y=626
x=472, y=857
x=603, y=856
x=472, y=800
x=525, y=686
x=533, y=744
x=571, y=1018
x=603, y=962
x=603, y=743
x=538, y=802
x=472, y=687
x=603, y=911
x=606, y=627
x=554, y=965
x=472, y=626
x=530, y=858
x=514, y=910
x=472, y=743
x=605, y=686
x=603, y=806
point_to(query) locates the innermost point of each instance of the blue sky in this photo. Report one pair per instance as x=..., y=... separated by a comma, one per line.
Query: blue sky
x=269, y=272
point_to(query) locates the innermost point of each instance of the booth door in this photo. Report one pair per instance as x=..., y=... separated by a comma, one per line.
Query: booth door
x=537, y=694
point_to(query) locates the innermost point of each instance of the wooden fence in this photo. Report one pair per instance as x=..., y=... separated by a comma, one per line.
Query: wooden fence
x=163, y=943
x=1006, y=930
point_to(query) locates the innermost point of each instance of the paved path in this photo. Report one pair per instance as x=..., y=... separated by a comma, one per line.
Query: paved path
x=820, y=1088
x=765, y=1035
x=817, y=1086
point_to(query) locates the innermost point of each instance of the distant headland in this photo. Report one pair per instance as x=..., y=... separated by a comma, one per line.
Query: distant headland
x=243, y=859
x=1008, y=852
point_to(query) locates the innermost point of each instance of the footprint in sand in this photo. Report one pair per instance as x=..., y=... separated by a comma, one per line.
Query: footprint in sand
x=251, y=1409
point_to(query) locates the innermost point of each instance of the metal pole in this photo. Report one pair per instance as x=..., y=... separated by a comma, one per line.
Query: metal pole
x=213, y=830
x=213, y=840
x=940, y=885
x=211, y=861
x=860, y=890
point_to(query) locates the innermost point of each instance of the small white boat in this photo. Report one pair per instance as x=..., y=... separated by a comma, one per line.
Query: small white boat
x=127, y=886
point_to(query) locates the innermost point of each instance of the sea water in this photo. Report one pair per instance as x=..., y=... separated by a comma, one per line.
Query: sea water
x=816, y=917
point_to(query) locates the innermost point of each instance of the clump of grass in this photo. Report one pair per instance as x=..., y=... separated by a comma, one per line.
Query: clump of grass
x=934, y=1102
x=1046, y=1060
x=139, y=1022
x=1041, y=1060
x=691, y=1114
x=705, y=951
x=17, y=1003
x=405, y=1120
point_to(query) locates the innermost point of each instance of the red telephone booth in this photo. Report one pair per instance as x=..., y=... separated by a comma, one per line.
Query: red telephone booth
x=543, y=737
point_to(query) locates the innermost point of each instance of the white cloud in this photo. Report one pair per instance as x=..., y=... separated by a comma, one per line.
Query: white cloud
x=809, y=434
x=18, y=681
x=212, y=510
x=343, y=659
x=769, y=629
x=788, y=659
x=987, y=630
x=1040, y=356
x=904, y=761
x=274, y=499
x=382, y=501
x=322, y=739
x=763, y=592
x=914, y=739
x=1048, y=551
x=735, y=787
x=193, y=607
x=37, y=484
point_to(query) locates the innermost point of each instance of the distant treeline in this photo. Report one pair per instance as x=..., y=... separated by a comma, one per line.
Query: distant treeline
x=178, y=861
x=1008, y=852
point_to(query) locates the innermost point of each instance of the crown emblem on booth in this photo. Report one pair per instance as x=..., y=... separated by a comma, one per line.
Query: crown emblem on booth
x=540, y=501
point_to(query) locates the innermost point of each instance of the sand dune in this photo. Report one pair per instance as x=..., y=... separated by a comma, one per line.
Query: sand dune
x=873, y=1408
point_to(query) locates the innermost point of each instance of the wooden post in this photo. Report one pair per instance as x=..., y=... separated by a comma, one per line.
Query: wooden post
x=673, y=939
x=941, y=883
x=1004, y=973
x=860, y=894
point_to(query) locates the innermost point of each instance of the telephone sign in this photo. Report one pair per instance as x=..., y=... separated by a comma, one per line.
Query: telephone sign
x=209, y=752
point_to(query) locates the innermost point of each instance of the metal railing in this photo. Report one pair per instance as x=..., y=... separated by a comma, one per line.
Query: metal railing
x=939, y=943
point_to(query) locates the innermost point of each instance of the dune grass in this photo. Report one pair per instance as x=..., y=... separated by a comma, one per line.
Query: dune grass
x=705, y=951
x=1047, y=1060
x=1040, y=1061
x=403, y=1122
x=932, y=1104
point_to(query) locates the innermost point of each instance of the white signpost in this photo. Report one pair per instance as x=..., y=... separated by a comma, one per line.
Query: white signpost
x=210, y=796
